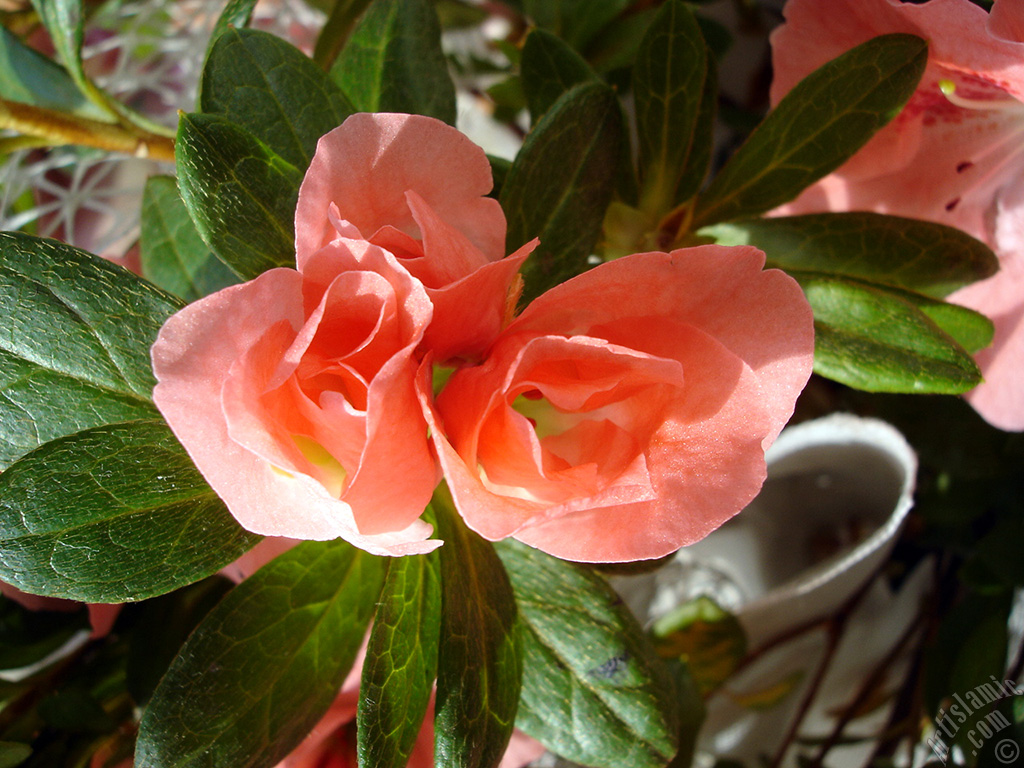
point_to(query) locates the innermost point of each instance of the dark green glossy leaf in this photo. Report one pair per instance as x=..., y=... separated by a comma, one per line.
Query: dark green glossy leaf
x=31, y=78
x=240, y=193
x=882, y=341
x=394, y=63
x=561, y=183
x=265, y=664
x=110, y=514
x=337, y=30
x=75, y=333
x=173, y=254
x=820, y=124
x=479, y=664
x=270, y=88
x=593, y=690
x=668, y=83
x=401, y=662
x=549, y=68
x=906, y=253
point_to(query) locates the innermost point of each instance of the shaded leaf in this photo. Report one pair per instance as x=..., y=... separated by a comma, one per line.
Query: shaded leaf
x=548, y=68
x=561, y=182
x=593, y=690
x=669, y=83
x=161, y=628
x=336, y=30
x=479, y=663
x=816, y=127
x=401, y=662
x=907, y=253
x=63, y=21
x=708, y=638
x=13, y=753
x=575, y=21
x=882, y=341
x=173, y=255
x=75, y=333
x=267, y=86
x=394, y=62
x=31, y=78
x=263, y=666
x=240, y=193
x=110, y=514
x=27, y=637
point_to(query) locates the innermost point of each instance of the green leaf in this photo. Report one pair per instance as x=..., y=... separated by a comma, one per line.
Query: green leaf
x=884, y=341
x=27, y=637
x=401, y=662
x=13, y=753
x=549, y=68
x=394, y=62
x=561, y=183
x=593, y=690
x=269, y=87
x=31, y=78
x=63, y=21
x=479, y=664
x=161, y=628
x=173, y=254
x=575, y=21
x=906, y=253
x=709, y=639
x=265, y=664
x=668, y=82
x=75, y=333
x=110, y=514
x=337, y=30
x=237, y=14
x=816, y=127
x=240, y=193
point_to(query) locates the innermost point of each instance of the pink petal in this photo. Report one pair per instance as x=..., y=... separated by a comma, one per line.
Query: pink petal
x=367, y=165
x=193, y=357
x=671, y=349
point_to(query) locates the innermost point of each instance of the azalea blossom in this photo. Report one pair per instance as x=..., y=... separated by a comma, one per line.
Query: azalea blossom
x=293, y=394
x=626, y=412
x=416, y=186
x=953, y=155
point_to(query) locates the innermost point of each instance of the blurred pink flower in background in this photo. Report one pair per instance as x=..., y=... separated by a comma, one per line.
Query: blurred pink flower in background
x=954, y=155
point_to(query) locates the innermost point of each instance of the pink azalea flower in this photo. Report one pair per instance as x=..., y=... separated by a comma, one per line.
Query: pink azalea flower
x=626, y=412
x=415, y=186
x=293, y=394
x=952, y=156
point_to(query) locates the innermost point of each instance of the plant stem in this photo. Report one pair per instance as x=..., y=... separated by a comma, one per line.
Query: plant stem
x=59, y=128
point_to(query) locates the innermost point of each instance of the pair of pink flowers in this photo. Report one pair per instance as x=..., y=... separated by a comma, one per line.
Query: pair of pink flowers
x=954, y=155
x=622, y=415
